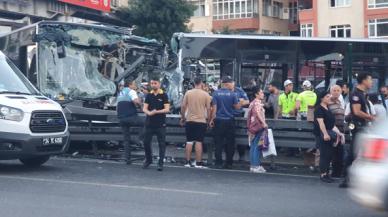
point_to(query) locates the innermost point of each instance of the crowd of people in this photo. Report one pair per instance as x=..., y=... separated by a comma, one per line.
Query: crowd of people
x=330, y=111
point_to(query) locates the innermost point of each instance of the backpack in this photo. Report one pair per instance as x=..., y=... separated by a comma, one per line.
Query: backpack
x=253, y=123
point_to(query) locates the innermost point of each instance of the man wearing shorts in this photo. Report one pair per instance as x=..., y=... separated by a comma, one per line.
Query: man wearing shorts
x=195, y=112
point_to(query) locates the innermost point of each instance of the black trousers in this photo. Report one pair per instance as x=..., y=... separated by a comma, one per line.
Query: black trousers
x=241, y=150
x=160, y=134
x=125, y=128
x=326, y=150
x=338, y=160
x=224, y=138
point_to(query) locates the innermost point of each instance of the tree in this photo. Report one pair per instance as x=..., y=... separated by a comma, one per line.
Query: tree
x=157, y=19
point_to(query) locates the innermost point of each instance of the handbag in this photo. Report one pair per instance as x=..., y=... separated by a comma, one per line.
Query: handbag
x=253, y=124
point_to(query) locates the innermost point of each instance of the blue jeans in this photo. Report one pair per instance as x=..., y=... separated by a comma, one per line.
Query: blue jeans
x=255, y=150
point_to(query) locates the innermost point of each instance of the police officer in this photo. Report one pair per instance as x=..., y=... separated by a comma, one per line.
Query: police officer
x=244, y=101
x=305, y=100
x=287, y=101
x=287, y=106
x=224, y=103
x=361, y=116
x=127, y=101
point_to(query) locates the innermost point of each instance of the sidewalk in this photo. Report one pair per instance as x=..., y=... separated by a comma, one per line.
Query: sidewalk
x=176, y=155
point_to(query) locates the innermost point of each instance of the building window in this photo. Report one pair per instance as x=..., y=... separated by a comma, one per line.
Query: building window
x=341, y=31
x=273, y=9
x=267, y=6
x=377, y=3
x=233, y=9
x=199, y=8
x=57, y=7
x=293, y=19
x=277, y=9
x=340, y=3
x=378, y=28
x=306, y=30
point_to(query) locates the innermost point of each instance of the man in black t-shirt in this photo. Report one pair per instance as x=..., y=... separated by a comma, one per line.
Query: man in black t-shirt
x=156, y=106
x=360, y=111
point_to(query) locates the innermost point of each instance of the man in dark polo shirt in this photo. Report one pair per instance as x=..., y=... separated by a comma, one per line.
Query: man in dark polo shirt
x=361, y=116
x=127, y=100
x=156, y=106
x=224, y=102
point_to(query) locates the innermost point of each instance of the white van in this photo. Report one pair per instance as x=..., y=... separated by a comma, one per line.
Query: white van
x=32, y=127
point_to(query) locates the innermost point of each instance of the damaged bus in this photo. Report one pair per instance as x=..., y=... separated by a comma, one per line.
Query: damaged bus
x=81, y=66
x=258, y=60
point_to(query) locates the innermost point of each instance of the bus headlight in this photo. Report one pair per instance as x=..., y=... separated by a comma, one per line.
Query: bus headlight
x=11, y=114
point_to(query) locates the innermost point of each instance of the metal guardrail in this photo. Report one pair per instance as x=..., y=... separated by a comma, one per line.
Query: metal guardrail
x=287, y=133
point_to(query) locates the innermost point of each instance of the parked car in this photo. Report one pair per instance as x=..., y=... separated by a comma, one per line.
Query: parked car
x=369, y=173
x=32, y=127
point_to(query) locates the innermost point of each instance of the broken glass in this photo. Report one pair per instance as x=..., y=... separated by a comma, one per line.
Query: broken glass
x=74, y=77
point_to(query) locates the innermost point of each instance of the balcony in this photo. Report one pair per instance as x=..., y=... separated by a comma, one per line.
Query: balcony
x=237, y=24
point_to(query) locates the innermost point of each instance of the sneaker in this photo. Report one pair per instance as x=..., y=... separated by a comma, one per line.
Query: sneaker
x=326, y=179
x=188, y=164
x=160, y=167
x=146, y=165
x=258, y=170
x=262, y=170
x=199, y=165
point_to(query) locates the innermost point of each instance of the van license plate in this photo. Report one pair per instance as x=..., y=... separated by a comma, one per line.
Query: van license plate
x=52, y=141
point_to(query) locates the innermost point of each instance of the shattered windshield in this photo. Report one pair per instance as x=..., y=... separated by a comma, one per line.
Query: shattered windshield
x=73, y=63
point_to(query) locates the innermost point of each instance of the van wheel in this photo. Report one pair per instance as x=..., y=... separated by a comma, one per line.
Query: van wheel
x=34, y=161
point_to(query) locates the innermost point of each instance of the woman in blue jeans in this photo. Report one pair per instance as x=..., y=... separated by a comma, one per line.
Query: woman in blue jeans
x=257, y=114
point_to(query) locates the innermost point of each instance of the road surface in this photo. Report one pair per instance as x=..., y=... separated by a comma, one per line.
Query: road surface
x=79, y=188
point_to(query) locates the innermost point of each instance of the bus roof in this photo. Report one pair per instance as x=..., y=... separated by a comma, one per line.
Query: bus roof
x=264, y=37
x=110, y=28
x=35, y=25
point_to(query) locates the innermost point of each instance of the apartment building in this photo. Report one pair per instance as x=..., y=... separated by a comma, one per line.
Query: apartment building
x=202, y=20
x=270, y=17
x=343, y=18
x=18, y=13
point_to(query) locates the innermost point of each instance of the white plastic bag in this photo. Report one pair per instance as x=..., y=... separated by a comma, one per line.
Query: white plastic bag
x=271, y=151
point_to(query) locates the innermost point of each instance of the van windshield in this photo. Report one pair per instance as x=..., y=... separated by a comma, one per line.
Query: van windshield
x=12, y=80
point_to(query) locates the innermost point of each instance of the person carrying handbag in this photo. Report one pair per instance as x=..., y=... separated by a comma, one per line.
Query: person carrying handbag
x=256, y=125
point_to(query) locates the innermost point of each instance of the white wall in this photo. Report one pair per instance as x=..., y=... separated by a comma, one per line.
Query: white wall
x=352, y=15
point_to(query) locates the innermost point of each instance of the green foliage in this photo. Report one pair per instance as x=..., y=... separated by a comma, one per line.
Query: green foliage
x=157, y=19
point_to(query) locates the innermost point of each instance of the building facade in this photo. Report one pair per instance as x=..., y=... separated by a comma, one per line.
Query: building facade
x=201, y=22
x=269, y=17
x=18, y=13
x=344, y=18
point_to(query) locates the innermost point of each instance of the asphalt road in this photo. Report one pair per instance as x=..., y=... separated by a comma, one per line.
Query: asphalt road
x=99, y=189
